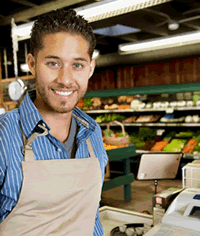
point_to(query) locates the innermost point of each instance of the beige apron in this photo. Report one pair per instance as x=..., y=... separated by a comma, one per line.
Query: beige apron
x=58, y=197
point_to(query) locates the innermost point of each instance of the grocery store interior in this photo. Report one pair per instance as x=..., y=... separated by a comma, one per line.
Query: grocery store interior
x=144, y=94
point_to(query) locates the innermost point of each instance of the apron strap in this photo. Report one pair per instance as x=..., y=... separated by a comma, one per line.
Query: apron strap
x=27, y=149
x=90, y=148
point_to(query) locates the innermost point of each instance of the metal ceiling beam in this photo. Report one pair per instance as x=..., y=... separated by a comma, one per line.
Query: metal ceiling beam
x=24, y=2
x=146, y=27
x=192, y=25
x=38, y=10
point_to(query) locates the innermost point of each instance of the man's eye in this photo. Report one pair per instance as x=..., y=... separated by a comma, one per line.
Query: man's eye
x=78, y=65
x=53, y=64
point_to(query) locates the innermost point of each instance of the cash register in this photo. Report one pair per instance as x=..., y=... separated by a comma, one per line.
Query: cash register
x=182, y=216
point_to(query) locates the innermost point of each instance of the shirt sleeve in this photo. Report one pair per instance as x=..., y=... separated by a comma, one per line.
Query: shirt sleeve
x=2, y=158
x=100, y=151
x=98, y=229
x=3, y=200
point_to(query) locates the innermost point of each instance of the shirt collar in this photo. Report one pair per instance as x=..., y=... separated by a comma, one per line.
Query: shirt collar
x=30, y=116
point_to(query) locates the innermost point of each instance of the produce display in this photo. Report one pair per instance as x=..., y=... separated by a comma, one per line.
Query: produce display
x=87, y=103
x=121, y=102
x=109, y=147
x=159, y=146
x=109, y=117
x=131, y=119
x=137, y=141
x=111, y=133
x=146, y=138
x=146, y=133
x=176, y=145
x=196, y=150
x=169, y=136
x=147, y=118
x=189, y=146
x=150, y=118
x=169, y=118
x=148, y=145
x=185, y=134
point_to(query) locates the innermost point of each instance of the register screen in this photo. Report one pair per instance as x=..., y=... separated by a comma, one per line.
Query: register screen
x=195, y=212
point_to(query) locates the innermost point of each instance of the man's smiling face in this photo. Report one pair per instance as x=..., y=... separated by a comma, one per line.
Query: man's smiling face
x=62, y=69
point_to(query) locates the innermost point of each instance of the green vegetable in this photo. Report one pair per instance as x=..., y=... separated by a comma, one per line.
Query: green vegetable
x=146, y=133
x=141, y=144
x=87, y=102
x=99, y=119
x=109, y=118
x=176, y=145
x=185, y=134
x=121, y=135
x=108, y=133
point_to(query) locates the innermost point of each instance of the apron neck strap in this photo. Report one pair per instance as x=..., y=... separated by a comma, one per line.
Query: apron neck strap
x=90, y=148
x=27, y=149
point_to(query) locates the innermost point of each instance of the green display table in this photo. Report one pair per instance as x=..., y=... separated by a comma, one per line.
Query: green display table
x=122, y=154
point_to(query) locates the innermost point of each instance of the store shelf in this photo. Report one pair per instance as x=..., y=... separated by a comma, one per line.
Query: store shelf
x=158, y=124
x=156, y=89
x=194, y=108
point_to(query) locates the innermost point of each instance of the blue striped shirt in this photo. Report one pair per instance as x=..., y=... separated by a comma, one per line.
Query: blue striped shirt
x=44, y=148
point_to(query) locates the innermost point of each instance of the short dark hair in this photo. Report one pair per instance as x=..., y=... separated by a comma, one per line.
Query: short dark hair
x=60, y=21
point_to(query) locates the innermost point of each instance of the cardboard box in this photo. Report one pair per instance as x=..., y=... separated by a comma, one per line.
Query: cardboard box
x=161, y=202
x=164, y=199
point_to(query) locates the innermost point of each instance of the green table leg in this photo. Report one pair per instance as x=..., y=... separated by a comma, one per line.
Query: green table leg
x=127, y=187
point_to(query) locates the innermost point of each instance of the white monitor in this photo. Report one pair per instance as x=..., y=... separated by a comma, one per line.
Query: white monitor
x=158, y=166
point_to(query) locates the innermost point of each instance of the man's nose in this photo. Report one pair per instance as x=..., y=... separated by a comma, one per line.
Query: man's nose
x=65, y=76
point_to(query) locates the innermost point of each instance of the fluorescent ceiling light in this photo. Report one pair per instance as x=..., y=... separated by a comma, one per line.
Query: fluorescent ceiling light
x=98, y=11
x=111, y=7
x=162, y=43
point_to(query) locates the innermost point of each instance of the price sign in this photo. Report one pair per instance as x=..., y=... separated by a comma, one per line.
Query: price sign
x=169, y=110
x=159, y=132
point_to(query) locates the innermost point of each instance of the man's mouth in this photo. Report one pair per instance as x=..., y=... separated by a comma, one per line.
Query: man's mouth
x=63, y=93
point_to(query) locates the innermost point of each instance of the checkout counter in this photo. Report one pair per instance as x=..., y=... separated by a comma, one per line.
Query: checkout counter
x=181, y=218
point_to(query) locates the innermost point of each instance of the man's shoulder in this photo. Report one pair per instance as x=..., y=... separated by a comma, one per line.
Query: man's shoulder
x=85, y=118
x=8, y=120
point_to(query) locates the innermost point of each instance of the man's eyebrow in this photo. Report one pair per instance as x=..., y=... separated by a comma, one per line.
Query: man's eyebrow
x=80, y=59
x=52, y=57
x=58, y=58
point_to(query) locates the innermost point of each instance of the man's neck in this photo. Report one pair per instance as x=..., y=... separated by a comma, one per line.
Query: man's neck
x=59, y=124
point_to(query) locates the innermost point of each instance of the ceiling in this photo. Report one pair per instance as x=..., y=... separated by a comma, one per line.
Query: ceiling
x=149, y=23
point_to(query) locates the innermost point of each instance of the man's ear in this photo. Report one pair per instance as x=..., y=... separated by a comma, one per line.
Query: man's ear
x=92, y=67
x=31, y=63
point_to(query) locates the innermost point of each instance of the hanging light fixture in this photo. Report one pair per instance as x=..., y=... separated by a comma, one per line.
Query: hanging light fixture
x=96, y=54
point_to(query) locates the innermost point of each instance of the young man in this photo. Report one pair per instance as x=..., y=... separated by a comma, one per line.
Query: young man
x=52, y=156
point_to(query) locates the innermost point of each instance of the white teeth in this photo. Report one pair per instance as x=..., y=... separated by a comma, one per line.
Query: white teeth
x=63, y=93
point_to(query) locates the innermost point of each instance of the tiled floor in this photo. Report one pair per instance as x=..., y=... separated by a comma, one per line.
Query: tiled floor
x=141, y=193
